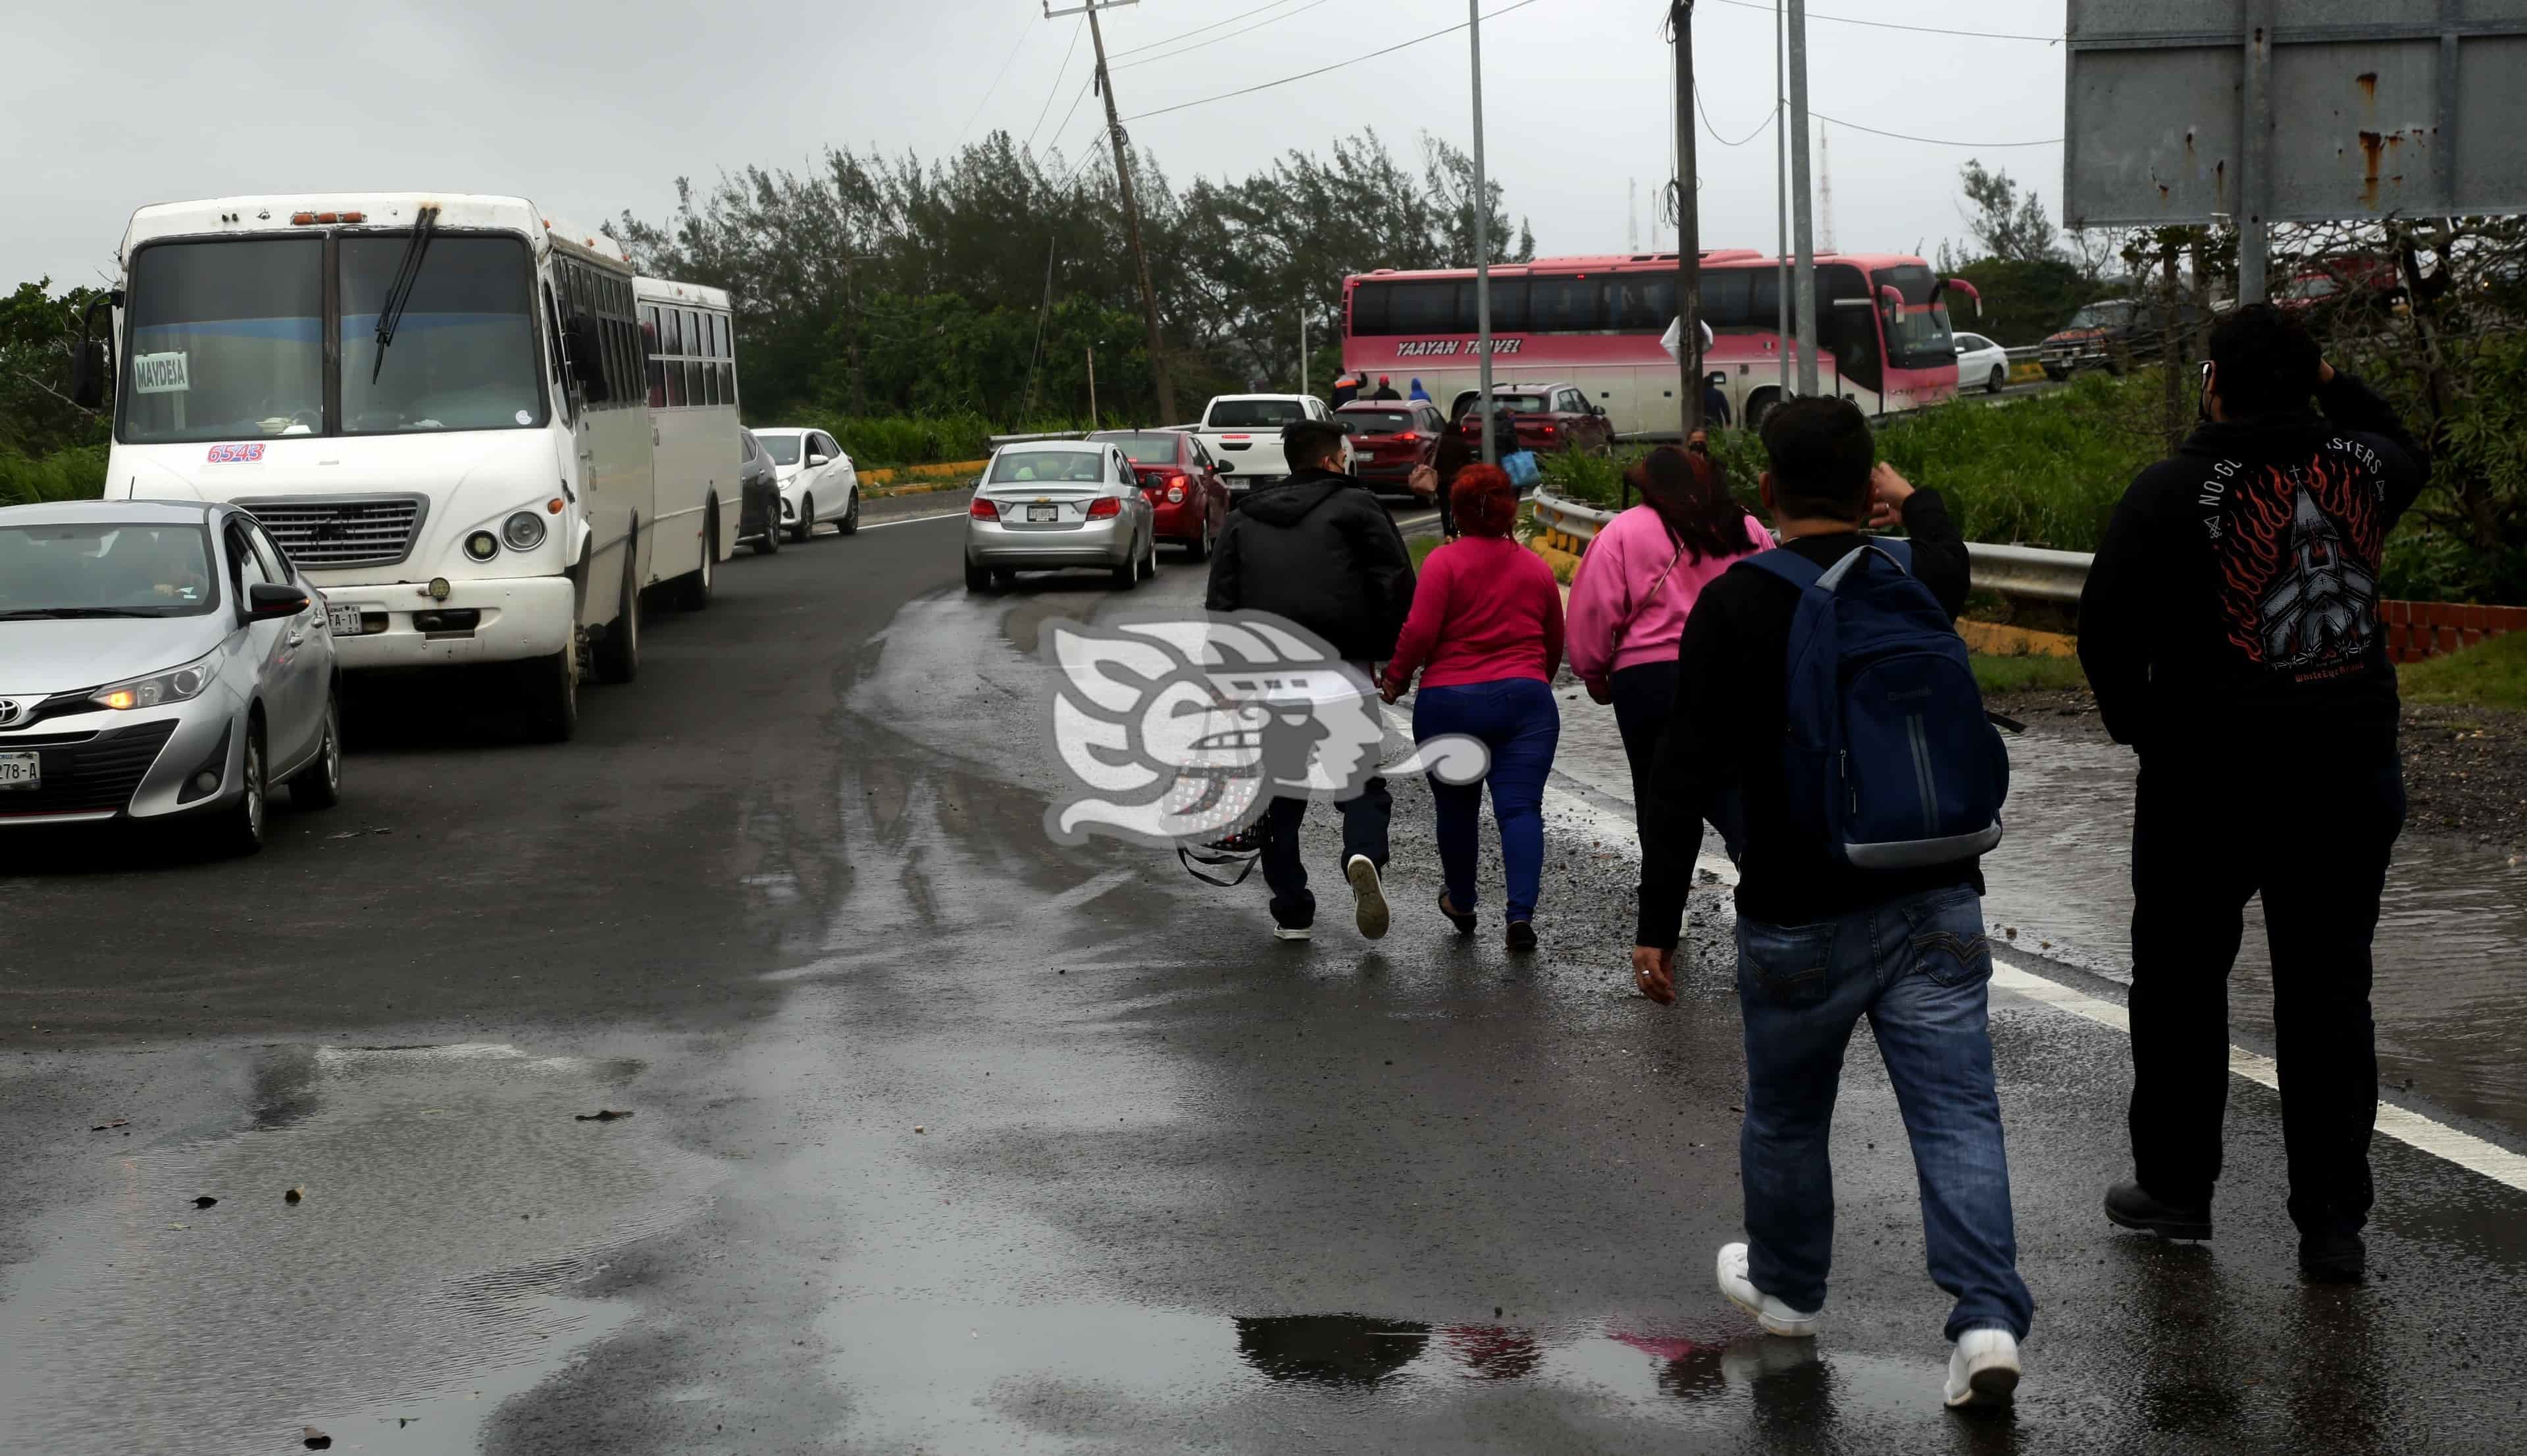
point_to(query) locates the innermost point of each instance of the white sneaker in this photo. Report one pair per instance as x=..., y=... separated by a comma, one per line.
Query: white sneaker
x=1291, y=932
x=1983, y=1370
x=1776, y=1317
x=1367, y=895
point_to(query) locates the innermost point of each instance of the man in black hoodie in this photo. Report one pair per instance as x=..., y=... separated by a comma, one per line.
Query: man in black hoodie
x=1319, y=550
x=2230, y=629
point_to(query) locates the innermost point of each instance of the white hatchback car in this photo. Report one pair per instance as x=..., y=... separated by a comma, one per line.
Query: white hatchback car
x=1051, y=504
x=819, y=483
x=1981, y=364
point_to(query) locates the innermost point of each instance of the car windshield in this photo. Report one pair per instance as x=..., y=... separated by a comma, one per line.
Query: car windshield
x=1147, y=449
x=106, y=569
x=1084, y=465
x=2100, y=316
x=1247, y=414
x=782, y=448
x=464, y=352
x=1380, y=422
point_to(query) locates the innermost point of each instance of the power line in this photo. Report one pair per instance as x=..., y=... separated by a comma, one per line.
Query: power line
x=1056, y=80
x=1760, y=127
x=1216, y=39
x=1322, y=70
x=1935, y=141
x=1065, y=123
x=1845, y=20
x=994, y=87
x=1195, y=31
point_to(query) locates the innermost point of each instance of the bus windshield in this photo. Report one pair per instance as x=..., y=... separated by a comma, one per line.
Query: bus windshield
x=1917, y=335
x=226, y=340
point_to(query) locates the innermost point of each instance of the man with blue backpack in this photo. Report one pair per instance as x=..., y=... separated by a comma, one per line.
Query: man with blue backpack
x=1827, y=722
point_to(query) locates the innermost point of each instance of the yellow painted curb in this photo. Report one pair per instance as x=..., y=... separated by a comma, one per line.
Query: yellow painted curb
x=2024, y=371
x=918, y=487
x=1563, y=562
x=1995, y=640
x=886, y=474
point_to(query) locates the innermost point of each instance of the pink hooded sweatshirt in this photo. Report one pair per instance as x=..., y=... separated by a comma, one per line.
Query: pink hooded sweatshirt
x=1616, y=576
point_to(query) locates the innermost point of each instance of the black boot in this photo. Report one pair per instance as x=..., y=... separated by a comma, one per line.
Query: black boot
x=2333, y=1258
x=2132, y=1206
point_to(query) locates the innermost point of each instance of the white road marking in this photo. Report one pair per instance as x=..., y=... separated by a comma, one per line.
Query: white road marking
x=2405, y=1125
x=910, y=520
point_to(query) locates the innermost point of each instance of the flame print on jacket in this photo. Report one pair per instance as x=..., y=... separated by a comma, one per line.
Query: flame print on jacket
x=2299, y=565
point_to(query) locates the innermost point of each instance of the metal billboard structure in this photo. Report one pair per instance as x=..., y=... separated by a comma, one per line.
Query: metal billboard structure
x=2255, y=112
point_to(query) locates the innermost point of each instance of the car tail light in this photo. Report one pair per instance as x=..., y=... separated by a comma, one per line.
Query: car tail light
x=1175, y=488
x=1105, y=506
x=983, y=510
x=1408, y=438
x=1547, y=428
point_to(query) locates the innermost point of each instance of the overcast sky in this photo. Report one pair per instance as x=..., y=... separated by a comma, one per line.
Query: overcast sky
x=593, y=108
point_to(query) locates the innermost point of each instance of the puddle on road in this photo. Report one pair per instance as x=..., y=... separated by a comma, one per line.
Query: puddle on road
x=2449, y=998
x=452, y=1196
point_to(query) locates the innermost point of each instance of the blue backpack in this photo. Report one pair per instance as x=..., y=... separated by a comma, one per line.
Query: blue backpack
x=1891, y=762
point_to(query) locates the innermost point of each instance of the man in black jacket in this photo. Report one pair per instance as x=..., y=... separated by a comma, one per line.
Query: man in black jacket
x=1319, y=550
x=2230, y=629
x=1822, y=943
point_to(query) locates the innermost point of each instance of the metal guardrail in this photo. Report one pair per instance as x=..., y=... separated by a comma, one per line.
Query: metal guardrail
x=2025, y=572
x=995, y=442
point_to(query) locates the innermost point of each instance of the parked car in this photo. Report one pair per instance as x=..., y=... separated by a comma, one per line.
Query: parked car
x=819, y=483
x=1188, y=500
x=1389, y=437
x=1546, y=417
x=758, y=486
x=1981, y=361
x=1243, y=433
x=1048, y=505
x=161, y=660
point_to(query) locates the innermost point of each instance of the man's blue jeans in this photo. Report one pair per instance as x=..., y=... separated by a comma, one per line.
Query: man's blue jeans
x=1921, y=971
x=1516, y=719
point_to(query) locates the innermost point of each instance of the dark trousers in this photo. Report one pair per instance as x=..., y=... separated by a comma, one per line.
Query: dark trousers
x=1363, y=819
x=1516, y=717
x=1644, y=698
x=2313, y=835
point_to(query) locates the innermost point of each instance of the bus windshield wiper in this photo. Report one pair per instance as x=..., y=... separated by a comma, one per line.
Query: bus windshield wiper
x=424, y=223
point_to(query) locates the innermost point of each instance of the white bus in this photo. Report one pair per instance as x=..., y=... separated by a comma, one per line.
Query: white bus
x=692, y=428
x=433, y=401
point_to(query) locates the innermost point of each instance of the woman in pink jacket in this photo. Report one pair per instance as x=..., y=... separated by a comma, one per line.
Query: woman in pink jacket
x=1638, y=581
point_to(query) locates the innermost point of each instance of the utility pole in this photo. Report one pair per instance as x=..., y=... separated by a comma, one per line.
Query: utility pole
x=1093, y=422
x=1688, y=227
x=2254, y=244
x=1482, y=244
x=1802, y=212
x=1782, y=204
x=1131, y=209
x=1302, y=349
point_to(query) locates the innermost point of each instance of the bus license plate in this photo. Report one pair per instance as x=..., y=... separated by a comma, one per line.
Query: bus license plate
x=21, y=771
x=1042, y=512
x=342, y=621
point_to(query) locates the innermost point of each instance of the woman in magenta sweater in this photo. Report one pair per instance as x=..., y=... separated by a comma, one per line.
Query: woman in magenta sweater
x=1638, y=581
x=1485, y=634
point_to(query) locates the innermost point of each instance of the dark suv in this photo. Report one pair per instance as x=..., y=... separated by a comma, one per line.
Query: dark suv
x=1547, y=417
x=1388, y=437
x=2112, y=334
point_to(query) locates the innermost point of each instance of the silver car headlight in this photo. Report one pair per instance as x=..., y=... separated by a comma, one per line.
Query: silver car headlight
x=174, y=685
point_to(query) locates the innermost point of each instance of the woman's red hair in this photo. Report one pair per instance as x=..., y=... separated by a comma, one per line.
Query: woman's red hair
x=1485, y=502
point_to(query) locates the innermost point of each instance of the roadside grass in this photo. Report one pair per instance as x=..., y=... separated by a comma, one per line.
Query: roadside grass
x=66, y=475
x=1421, y=548
x=2488, y=674
x=1999, y=675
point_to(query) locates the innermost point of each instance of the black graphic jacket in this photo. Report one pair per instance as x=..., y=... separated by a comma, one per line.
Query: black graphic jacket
x=2236, y=592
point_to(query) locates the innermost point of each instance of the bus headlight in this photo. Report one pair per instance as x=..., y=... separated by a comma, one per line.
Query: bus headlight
x=481, y=545
x=524, y=530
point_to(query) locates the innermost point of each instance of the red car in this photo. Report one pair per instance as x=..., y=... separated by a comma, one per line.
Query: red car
x=1188, y=502
x=1547, y=417
x=1388, y=438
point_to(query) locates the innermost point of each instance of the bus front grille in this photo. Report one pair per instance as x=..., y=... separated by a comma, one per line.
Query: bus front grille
x=336, y=531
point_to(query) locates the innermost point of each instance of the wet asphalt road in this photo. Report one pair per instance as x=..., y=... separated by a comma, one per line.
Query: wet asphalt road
x=948, y=1139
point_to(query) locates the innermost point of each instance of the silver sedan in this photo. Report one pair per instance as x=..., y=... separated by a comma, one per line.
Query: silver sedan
x=160, y=661
x=1053, y=504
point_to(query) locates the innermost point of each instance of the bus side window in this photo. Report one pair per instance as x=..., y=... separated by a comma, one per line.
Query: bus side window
x=561, y=370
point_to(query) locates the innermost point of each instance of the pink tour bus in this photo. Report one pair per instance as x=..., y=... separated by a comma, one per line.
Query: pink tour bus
x=1882, y=336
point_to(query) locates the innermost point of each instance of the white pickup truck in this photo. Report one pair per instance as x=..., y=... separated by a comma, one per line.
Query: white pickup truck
x=1243, y=432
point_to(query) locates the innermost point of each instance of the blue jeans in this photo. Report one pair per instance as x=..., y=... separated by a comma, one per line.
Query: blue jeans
x=1516, y=717
x=1920, y=969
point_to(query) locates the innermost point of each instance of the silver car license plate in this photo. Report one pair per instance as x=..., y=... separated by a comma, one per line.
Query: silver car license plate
x=21, y=771
x=343, y=620
x=1042, y=512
